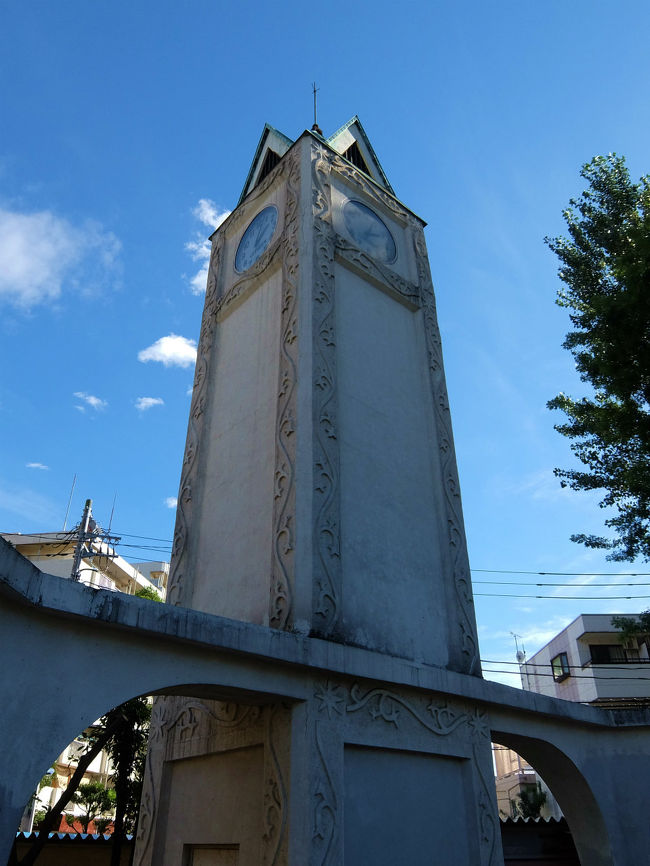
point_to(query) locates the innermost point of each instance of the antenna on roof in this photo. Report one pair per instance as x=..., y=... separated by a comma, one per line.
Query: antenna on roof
x=67, y=511
x=315, y=127
x=520, y=653
x=110, y=522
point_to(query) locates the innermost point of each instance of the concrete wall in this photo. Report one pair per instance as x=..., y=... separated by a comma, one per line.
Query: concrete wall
x=597, y=763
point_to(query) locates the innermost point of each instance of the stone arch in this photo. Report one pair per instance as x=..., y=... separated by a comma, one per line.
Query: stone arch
x=572, y=792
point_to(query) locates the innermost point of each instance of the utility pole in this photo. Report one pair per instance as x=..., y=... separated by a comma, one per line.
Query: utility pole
x=88, y=535
x=82, y=537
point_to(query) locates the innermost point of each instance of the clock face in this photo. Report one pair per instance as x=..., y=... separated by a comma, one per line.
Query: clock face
x=256, y=238
x=369, y=232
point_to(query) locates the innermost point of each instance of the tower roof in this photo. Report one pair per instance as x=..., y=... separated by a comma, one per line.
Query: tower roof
x=350, y=142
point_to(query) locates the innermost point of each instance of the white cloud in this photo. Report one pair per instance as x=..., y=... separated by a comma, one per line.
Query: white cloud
x=199, y=281
x=172, y=351
x=144, y=403
x=36, y=466
x=171, y=502
x=41, y=254
x=209, y=214
x=90, y=400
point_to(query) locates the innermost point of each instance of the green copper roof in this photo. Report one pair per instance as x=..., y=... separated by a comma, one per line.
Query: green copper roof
x=359, y=133
x=366, y=141
x=258, y=153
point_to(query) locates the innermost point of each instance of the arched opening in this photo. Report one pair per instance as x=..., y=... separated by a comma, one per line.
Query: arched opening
x=233, y=730
x=90, y=791
x=572, y=793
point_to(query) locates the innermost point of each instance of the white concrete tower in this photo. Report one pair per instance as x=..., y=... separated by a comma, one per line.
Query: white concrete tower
x=319, y=490
x=319, y=496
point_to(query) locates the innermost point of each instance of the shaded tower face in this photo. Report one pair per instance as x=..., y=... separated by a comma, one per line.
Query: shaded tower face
x=319, y=490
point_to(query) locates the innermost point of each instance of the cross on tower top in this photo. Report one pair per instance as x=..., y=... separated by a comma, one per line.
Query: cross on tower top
x=315, y=127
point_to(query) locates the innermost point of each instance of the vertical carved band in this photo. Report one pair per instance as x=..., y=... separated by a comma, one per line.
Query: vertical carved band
x=326, y=811
x=284, y=490
x=449, y=470
x=327, y=569
x=275, y=793
x=177, y=590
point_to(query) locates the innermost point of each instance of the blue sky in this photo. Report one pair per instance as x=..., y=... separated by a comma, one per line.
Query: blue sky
x=127, y=129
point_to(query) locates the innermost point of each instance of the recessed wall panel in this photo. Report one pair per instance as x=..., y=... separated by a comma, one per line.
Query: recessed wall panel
x=405, y=808
x=390, y=548
x=233, y=565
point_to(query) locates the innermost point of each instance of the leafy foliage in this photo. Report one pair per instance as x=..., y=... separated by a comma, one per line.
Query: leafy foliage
x=39, y=817
x=633, y=627
x=605, y=267
x=47, y=780
x=530, y=802
x=128, y=750
x=95, y=800
x=148, y=592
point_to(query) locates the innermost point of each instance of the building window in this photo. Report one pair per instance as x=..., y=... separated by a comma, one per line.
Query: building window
x=560, y=667
x=613, y=654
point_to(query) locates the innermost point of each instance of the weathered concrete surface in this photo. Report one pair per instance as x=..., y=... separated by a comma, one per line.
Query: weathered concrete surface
x=124, y=646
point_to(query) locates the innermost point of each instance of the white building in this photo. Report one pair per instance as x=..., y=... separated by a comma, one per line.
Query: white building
x=589, y=662
x=53, y=553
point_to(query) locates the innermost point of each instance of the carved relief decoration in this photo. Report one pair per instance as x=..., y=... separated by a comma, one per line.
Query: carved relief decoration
x=176, y=589
x=326, y=812
x=284, y=488
x=334, y=701
x=449, y=472
x=356, y=178
x=175, y=721
x=198, y=719
x=161, y=712
x=275, y=793
x=361, y=261
x=327, y=568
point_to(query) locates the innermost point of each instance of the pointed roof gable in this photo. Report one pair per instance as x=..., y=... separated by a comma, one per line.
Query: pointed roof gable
x=271, y=147
x=352, y=143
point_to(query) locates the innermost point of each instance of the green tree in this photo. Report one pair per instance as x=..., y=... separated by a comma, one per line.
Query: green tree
x=128, y=751
x=605, y=268
x=634, y=627
x=94, y=800
x=148, y=592
x=530, y=802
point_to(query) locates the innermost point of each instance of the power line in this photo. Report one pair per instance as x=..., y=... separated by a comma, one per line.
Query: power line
x=574, y=676
x=563, y=597
x=565, y=573
x=529, y=583
x=549, y=665
x=144, y=537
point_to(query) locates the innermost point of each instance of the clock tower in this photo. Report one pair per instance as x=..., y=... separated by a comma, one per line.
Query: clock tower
x=319, y=496
x=319, y=490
